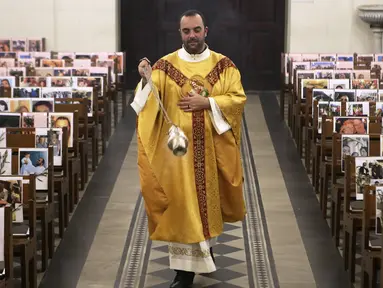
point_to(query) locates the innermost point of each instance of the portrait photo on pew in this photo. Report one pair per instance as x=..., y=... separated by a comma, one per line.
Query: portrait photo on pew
x=368, y=171
x=354, y=145
x=11, y=192
x=35, y=161
x=9, y=119
x=351, y=125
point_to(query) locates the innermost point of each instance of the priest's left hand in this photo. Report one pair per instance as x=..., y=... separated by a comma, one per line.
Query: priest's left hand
x=194, y=102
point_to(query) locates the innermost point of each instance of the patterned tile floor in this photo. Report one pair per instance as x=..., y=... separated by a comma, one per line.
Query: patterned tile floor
x=230, y=259
x=242, y=255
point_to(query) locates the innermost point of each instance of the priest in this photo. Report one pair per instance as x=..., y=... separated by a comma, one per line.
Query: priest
x=189, y=198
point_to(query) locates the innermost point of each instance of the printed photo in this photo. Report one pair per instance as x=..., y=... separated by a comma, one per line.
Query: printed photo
x=19, y=45
x=34, y=120
x=57, y=92
x=356, y=146
x=351, y=125
x=345, y=95
x=339, y=84
x=378, y=210
x=26, y=92
x=365, y=84
x=7, y=82
x=20, y=105
x=367, y=170
x=8, y=120
x=35, y=161
x=34, y=81
x=312, y=84
x=367, y=95
x=43, y=105
x=46, y=137
x=60, y=120
x=11, y=192
x=357, y=109
x=5, y=45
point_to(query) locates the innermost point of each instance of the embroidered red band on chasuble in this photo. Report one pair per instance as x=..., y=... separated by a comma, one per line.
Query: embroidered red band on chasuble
x=198, y=131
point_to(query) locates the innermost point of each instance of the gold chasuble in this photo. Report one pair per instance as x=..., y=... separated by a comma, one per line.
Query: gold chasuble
x=188, y=198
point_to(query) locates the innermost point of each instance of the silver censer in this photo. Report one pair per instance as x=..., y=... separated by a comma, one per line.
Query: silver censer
x=177, y=140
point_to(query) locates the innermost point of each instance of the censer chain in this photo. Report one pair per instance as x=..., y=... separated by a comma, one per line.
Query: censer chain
x=148, y=76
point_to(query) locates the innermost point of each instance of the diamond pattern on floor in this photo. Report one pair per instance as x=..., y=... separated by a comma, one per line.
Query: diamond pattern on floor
x=229, y=253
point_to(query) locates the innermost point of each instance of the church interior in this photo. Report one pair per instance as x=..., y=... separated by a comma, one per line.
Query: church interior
x=72, y=208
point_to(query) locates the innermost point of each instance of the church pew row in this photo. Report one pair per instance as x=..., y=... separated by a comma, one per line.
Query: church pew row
x=64, y=130
x=334, y=112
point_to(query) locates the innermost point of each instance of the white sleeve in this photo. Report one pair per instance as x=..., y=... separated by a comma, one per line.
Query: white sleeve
x=140, y=98
x=220, y=124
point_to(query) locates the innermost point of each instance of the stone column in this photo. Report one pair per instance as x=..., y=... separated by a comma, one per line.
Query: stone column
x=378, y=35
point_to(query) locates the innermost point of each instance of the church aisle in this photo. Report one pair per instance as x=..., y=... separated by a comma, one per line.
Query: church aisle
x=283, y=241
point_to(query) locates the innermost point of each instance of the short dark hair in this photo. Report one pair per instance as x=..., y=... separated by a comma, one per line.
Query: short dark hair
x=194, y=12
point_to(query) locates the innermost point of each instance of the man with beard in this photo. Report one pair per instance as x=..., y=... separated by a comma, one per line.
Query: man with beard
x=189, y=198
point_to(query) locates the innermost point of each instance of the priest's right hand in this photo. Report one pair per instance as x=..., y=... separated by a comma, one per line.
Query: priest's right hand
x=144, y=67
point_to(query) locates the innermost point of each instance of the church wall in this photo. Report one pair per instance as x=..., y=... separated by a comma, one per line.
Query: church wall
x=67, y=25
x=328, y=26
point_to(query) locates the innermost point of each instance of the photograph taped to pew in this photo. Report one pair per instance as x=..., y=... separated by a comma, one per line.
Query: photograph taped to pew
x=327, y=108
x=8, y=55
x=43, y=105
x=339, y=84
x=379, y=109
x=8, y=82
x=370, y=95
x=52, y=63
x=323, y=94
x=324, y=74
x=358, y=109
x=365, y=84
x=32, y=81
x=84, y=92
x=3, y=137
x=50, y=137
x=378, y=209
x=345, y=74
x=345, y=95
x=17, y=71
x=35, y=161
x=120, y=61
x=34, y=120
x=300, y=74
x=351, y=125
x=26, y=62
x=356, y=146
x=61, y=82
x=60, y=120
x=5, y=45
x=89, y=82
x=327, y=57
x=312, y=84
x=19, y=45
x=34, y=45
x=11, y=192
x=322, y=65
x=26, y=92
x=368, y=171
x=44, y=71
x=5, y=162
x=62, y=72
x=7, y=62
x=56, y=92
x=20, y=105
x=9, y=119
